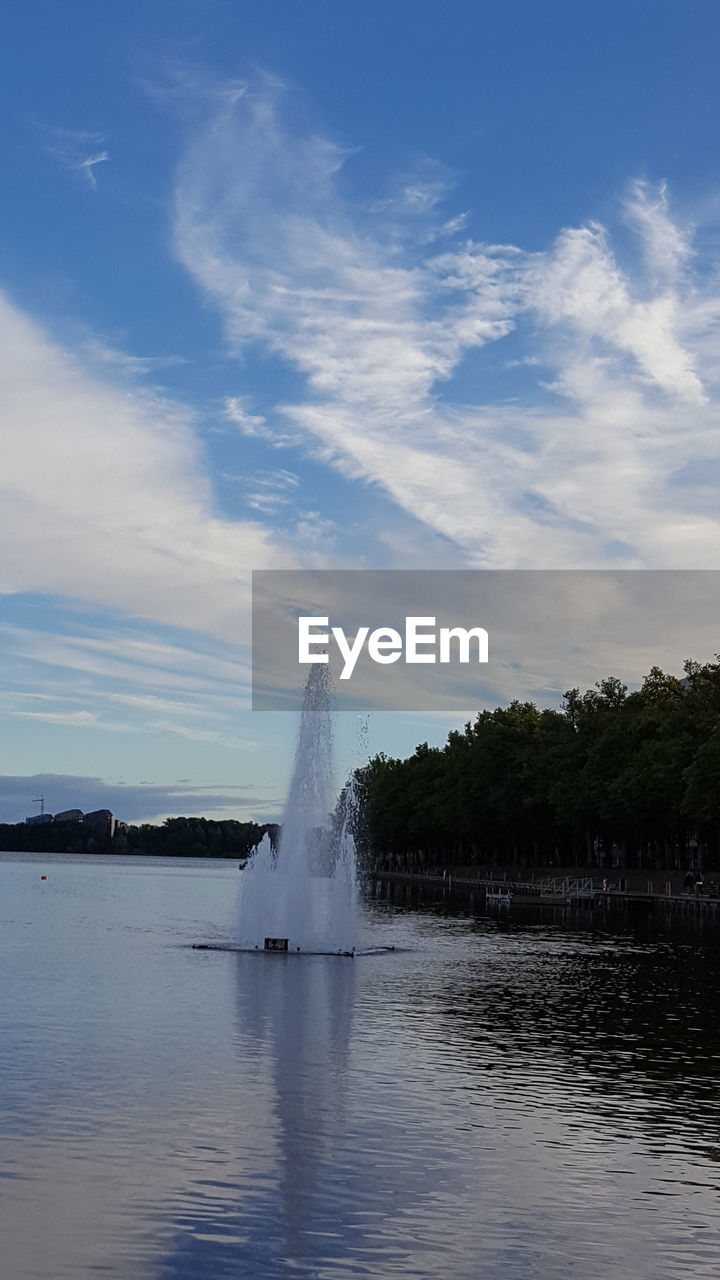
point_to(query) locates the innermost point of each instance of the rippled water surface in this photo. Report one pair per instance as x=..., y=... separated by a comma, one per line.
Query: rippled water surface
x=492, y=1099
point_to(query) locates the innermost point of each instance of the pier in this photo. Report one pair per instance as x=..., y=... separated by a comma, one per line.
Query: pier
x=586, y=891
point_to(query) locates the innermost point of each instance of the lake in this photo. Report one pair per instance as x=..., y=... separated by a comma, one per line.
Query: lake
x=495, y=1098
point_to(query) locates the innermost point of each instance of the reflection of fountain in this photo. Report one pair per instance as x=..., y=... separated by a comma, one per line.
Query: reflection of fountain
x=306, y=893
x=294, y=1034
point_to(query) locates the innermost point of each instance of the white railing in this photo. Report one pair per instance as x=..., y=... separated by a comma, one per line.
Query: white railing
x=568, y=888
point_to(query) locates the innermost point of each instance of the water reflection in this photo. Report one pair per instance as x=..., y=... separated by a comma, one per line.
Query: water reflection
x=295, y=1013
x=358, y=1177
x=493, y=1100
x=525, y=1099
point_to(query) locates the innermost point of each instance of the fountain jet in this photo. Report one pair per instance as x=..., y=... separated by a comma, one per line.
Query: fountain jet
x=303, y=896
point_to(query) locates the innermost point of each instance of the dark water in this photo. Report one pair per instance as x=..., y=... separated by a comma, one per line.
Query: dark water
x=525, y=1100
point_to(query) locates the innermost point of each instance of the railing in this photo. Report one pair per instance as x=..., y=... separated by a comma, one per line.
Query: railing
x=564, y=889
x=567, y=888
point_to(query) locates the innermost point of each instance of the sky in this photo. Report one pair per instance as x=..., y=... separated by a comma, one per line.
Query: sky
x=366, y=285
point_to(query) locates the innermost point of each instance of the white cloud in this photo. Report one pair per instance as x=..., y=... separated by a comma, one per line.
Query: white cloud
x=133, y=660
x=102, y=358
x=104, y=495
x=76, y=149
x=270, y=491
x=667, y=247
x=579, y=469
x=87, y=677
x=250, y=424
x=255, y=426
x=70, y=719
x=580, y=284
x=87, y=166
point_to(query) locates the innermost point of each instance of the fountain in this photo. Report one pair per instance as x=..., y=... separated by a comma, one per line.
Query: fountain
x=303, y=897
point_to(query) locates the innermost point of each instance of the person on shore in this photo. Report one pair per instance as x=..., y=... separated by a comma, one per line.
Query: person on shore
x=689, y=881
x=698, y=884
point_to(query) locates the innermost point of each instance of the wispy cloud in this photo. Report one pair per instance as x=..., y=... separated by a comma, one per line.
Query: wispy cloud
x=78, y=150
x=104, y=359
x=70, y=719
x=255, y=425
x=106, y=676
x=121, y=679
x=580, y=467
x=269, y=491
x=105, y=494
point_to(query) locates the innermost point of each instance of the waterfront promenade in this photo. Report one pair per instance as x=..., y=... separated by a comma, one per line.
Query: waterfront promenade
x=657, y=893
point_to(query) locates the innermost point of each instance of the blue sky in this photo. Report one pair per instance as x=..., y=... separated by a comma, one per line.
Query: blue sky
x=322, y=284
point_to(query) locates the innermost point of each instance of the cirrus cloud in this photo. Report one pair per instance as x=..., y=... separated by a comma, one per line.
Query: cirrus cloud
x=579, y=467
x=105, y=494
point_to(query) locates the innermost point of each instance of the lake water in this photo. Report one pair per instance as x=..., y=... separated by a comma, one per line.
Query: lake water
x=492, y=1099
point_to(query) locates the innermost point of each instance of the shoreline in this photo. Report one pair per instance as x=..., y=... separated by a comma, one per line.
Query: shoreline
x=582, y=893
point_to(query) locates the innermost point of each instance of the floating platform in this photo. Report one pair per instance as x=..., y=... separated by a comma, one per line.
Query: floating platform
x=290, y=951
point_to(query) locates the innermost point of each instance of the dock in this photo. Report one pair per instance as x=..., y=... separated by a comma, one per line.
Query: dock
x=584, y=891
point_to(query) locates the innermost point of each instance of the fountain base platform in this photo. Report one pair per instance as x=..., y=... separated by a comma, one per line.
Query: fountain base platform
x=290, y=951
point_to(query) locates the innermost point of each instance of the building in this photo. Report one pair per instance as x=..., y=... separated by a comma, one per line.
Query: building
x=102, y=820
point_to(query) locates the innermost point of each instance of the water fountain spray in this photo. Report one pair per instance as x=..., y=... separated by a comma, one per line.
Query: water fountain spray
x=303, y=896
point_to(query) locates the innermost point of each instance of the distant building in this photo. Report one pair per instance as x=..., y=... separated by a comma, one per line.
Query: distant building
x=102, y=820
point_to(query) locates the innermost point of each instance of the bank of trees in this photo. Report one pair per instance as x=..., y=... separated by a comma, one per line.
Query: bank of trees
x=612, y=778
x=193, y=837
x=176, y=837
x=52, y=837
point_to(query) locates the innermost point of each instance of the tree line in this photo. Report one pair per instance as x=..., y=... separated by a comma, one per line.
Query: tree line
x=175, y=837
x=610, y=779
